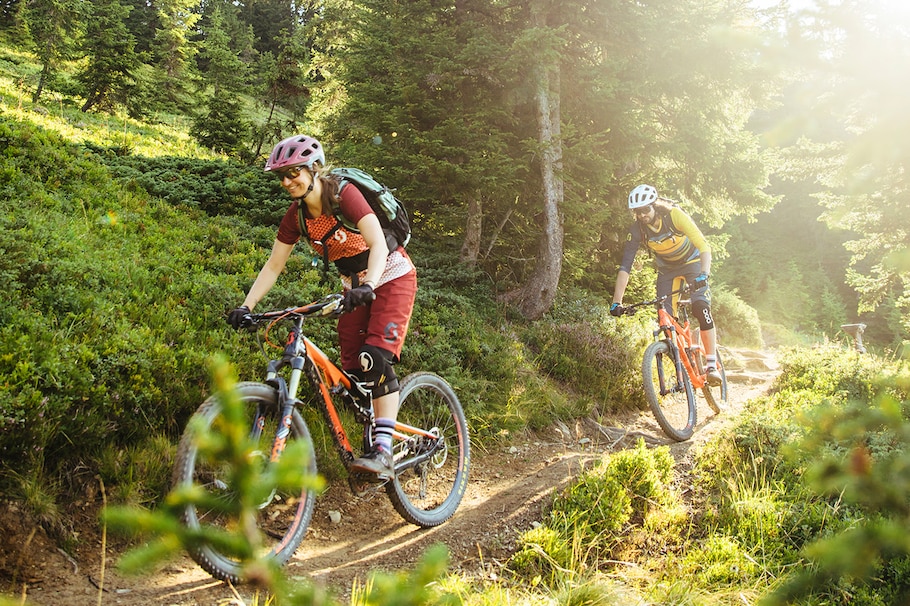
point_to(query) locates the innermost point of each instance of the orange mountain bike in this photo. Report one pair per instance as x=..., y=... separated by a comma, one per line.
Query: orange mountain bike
x=431, y=446
x=674, y=367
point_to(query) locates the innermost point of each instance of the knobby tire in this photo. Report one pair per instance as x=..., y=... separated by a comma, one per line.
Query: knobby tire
x=429, y=493
x=674, y=411
x=282, y=518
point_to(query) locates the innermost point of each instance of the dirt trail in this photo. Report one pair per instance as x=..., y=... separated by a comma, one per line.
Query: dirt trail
x=508, y=491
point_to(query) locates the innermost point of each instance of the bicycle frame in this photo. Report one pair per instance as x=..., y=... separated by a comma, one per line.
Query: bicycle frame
x=306, y=360
x=431, y=464
x=682, y=338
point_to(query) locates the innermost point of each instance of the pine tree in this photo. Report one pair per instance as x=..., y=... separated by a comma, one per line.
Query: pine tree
x=108, y=76
x=222, y=125
x=173, y=51
x=283, y=87
x=51, y=25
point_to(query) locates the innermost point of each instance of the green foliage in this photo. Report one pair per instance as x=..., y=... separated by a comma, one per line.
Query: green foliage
x=803, y=289
x=858, y=175
x=598, y=357
x=218, y=187
x=417, y=587
x=825, y=496
x=112, y=304
x=589, y=518
x=738, y=324
x=833, y=371
x=222, y=126
x=720, y=560
x=108, y=74
x=139, y=473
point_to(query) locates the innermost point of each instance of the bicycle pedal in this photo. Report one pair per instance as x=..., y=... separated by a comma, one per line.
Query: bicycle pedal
x=364, y=484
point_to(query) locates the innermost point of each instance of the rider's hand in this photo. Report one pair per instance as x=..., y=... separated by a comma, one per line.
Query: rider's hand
x=238, y=318
x=701, y=281
x=616, y=310
x=355, y=297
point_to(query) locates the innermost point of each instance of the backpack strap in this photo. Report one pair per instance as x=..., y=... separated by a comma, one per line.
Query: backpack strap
x=666, y=219
x=301, y=220
x=336, y=208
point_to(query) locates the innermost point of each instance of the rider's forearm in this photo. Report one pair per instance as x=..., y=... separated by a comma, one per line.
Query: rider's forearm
x=706, y=262
x=376, y=263
x=260, y=288
x=622, y=280
x=269, y=273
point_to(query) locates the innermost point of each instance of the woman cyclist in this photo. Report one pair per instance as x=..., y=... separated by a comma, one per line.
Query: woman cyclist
x=380, y=281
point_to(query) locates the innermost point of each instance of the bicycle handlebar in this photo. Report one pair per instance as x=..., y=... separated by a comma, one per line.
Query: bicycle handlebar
x=328, y=306
x=629, y=310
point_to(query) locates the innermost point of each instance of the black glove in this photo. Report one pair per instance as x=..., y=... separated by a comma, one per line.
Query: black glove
x=616, y=310
x=701, y=281
x=238, y=318
x=355, y=297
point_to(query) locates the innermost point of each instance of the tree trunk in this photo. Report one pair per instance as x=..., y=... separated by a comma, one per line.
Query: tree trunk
x=539, y=292
x=473, y=229
x=41, y=80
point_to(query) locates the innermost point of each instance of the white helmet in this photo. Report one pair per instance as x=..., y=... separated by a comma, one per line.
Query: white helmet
x=642, y=196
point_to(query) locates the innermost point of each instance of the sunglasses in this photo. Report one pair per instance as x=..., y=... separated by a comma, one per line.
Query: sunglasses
x=291, y=173
x=644, y=210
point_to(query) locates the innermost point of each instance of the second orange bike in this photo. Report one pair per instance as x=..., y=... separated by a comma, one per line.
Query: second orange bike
x=673, y=367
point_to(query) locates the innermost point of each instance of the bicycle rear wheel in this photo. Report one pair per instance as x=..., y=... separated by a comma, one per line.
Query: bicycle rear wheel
x=671, y=397
x=431, y=473
x=282, y=518
x=716, y=395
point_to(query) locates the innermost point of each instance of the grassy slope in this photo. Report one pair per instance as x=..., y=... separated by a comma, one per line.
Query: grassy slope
x=117, y=296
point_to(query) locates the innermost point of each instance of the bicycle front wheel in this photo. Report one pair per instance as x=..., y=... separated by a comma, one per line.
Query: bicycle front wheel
x=716, y=395
x=281, y=517
x=670, y=395
x=432, y=458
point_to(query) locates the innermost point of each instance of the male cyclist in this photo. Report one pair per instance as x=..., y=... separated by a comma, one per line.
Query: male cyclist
x=681, y=253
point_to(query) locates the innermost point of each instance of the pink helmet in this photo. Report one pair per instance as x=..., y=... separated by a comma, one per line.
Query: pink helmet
x=299, y=150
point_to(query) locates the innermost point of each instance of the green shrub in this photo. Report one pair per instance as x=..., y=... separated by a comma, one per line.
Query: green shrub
x=602, y=367
x=115, y=303
x=737, y=322
x=542, y=552
x=830, y=370
x=579, y=345
x=720, y=560
x=811, y=482
x=589, y=519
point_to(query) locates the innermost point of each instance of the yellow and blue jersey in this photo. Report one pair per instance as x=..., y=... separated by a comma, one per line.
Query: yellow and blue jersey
x=675, y=241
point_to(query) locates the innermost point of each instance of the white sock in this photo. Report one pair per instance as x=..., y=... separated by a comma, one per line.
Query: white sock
x=383, y=437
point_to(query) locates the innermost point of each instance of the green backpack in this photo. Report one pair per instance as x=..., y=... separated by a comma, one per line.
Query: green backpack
x=389, y=210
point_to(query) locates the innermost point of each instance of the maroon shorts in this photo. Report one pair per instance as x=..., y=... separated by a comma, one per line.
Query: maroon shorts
x=383, y=323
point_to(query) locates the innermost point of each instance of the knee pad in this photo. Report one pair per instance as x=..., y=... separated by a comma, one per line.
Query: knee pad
x=702, y=311
x=376, y=371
